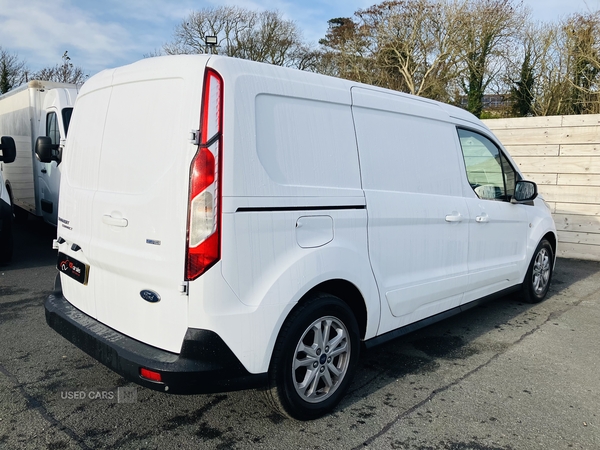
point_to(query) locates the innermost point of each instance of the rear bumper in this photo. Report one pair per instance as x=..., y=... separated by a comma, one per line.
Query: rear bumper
x=204, y=365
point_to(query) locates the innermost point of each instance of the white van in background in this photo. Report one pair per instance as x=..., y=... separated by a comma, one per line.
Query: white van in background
x=7, y=156
x=38, y=108
x=226, y=224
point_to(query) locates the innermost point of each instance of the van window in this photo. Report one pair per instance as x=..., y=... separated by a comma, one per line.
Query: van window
x=66, y=116
x=52, y=127
x=489, y=173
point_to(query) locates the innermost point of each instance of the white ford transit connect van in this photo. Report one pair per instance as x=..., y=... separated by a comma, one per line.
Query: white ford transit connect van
x=226, y=224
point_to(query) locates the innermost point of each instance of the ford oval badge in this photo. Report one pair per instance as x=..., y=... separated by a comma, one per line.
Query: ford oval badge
x=150, y=296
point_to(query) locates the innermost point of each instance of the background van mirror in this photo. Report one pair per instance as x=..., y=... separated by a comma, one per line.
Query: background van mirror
x=8, y=149
x=45, y=150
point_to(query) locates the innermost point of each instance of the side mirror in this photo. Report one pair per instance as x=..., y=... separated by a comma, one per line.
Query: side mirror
x=9, y=150
x=45, y=150
x=525, y=192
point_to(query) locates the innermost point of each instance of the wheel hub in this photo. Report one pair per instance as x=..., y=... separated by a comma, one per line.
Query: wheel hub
x=321, y=359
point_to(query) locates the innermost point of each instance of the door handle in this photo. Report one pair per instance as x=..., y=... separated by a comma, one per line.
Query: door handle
x=115, y=221
x=454, y=217
x=44, y=171
x=483, y=218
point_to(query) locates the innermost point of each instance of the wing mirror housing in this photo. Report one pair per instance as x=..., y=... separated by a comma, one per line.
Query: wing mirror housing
x=525, y=192
x=8, y=148
x=46, y=151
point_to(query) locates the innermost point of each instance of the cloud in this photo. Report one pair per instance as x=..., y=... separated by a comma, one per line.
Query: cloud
x=109, y=35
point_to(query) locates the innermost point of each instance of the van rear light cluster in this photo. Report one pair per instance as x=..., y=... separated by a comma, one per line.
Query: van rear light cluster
x=204, y=209
x=150, y=375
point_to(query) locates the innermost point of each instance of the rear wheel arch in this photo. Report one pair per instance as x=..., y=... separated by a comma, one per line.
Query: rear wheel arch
x=551, y=238
x=348, y=293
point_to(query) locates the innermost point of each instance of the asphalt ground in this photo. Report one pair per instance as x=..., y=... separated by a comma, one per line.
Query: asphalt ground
x=501, y=376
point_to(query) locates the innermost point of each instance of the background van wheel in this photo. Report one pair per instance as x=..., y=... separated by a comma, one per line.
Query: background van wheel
x=539, y=274
x=314, y=358
x=6, y=239
x=20, y=214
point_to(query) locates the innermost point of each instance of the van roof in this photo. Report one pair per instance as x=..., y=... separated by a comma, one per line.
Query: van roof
x=149, y=68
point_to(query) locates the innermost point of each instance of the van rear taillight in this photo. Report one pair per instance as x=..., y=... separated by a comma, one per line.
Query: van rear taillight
x=204, y=209
x=150, y=375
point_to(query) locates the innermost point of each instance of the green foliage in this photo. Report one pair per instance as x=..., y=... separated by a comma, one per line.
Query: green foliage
x=12, y=71
x=522, y=91
x=5, y=85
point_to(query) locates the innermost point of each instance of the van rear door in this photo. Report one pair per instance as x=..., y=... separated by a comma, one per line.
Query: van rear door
x=126, y=195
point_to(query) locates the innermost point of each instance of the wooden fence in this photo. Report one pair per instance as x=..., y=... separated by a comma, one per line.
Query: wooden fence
x=562, y=155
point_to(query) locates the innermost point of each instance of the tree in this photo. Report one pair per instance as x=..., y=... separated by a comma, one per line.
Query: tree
x=64, y=72
x=488, y=27
x=13, y=71
x=565, y=60
x=427, y=47
x=414, y=44
x=583, y=47
x=543, y=56
x=522, y=91
x=346, y=51
x=259, y=36
x=405, y=45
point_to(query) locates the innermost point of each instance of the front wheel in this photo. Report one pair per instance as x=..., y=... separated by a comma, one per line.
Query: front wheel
x=314, y=358
x=539, y=274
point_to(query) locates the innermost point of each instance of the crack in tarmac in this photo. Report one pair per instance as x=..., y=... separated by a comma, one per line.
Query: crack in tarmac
x=35, y=404
x=552, y=316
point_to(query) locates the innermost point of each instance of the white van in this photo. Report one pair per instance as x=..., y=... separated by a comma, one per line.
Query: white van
x=36, y=115
x=225, y=224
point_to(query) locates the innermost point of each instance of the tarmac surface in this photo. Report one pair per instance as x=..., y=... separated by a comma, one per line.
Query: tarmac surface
x=502, y=376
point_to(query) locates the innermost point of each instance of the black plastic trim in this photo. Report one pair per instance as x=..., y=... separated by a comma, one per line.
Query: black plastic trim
x=204, y=365
x=298, y=208
x=47, y=206
x=381, y=339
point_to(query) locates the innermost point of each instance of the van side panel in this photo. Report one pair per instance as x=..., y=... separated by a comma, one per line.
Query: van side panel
x=23, y=111
x=306, y=142
x=287, y=134
x=418, y=221
x=18, y=114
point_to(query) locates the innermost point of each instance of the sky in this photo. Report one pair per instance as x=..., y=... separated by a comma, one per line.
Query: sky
x=101, y=34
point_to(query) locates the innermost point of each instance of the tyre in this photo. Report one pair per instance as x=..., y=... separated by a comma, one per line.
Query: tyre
x=539, y=274
x=6, y=239
x=314, y=359
x=20, y=214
